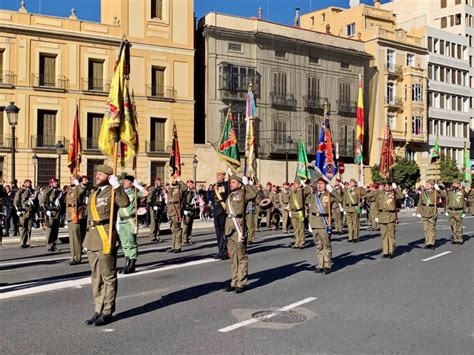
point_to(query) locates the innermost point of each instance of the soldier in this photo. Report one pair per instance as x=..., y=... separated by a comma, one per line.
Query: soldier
x=275, y=210
x=337, y=207
x=218, y=197
x=156, y=202
x=258, y=209
x=102, y=254
x=319, y=204
x=127, y=226
x=455, y=209
x=298, y=194
x=428, y=211
x=470, y=200
x=386, y=215
x=235, y=230
x=352, y=204
x=190, y=199
x=174, y=210
x=268, y=213
x=51, y=204
x=284, y=202
x=24, y=203
x=370, y=200
x=77, y=223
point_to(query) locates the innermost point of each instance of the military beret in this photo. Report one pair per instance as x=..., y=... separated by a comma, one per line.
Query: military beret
x=129, y=178
x=455, y=181
x=236, y=178
x=84, y=177
x=27, y=180
x=51, y=179
x=322, y=180
x=430, y=181
x=220, y=172
x=353, y=180
x=105, y=169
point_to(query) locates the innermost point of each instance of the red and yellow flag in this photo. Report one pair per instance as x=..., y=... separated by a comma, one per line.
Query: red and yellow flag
x=175, y=156
x=387, y=155
x=360, y=124
x=75, y=148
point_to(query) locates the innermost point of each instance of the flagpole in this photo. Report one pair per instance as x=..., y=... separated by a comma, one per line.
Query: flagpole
x=112, y=197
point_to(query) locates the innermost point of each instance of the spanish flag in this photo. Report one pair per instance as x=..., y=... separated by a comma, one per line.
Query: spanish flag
x=75, y=148
x=360, y=125
x=175, y=156
x=118, y=123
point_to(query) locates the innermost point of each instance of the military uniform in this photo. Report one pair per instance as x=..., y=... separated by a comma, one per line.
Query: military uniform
x=352, y=204
x=336, y=209
x=429, y=214
x=470, y=201
x=51, y=204
x=250, y=221
x=370, y=197
x=235, y=233
x=455, y=206
x=275, y=211
x=101, y=253
x=174, y=209
x=24, y=204
x=190, y=199
x=284, y=201
x=258, y=209
x=77, y=222
x=386, y=215
x=297, y=214
x=156, y=203
x=218, y=198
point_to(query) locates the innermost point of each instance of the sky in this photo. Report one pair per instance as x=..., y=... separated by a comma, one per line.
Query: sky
x=281, y=11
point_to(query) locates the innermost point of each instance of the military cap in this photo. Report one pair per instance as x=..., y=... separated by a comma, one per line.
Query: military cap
x=321, y=179
x=455, y=181
x=105, y=169
x=85, y=177
x=52, y=179
x=236, y=178
x=353, y=180
x=220, y=172
x=26, y=180
x=129, y=178
x=430, y=181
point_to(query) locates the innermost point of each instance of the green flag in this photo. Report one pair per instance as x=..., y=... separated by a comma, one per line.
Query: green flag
x=228, y=150
x=435, y=153
x=302, y=168
x=467, y=167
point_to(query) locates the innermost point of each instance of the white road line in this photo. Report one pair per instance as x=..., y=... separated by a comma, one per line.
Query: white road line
x=86, y=280
x=273, y=314
x=436, y=256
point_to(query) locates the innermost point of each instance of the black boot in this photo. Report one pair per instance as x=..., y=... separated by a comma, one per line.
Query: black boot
x=125, y=267
x=130, y=269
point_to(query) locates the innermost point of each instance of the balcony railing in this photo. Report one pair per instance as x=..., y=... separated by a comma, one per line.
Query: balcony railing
x=48, y=142
x=346, y=106
x=95, y=85
x=283, y=100
x=314, y=102
x=394, y=102
x=90, y=144
x=159, y=92
x=155, y=147
x=42, y=80
x=393, y=69
x=7, y=78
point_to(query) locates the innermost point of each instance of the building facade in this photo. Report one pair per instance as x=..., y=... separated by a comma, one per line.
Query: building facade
x=293, y=72
x=50, y=64
x=398, y=79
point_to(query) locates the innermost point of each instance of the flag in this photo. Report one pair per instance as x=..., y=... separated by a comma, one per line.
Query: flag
x=436, y=152
x=302, y=170
x=118, y=112
x=135, y=121
x=175, y=157
x=251, y=113
x=326, y=154
x=228, y=150
x=360, y=125
x=467, y=167
x=75, y=148
x=387, y=155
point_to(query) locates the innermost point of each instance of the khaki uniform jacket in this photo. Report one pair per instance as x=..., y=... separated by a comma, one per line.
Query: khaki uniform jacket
x=175, y=199
x=155, y=197
x=351, y=200
x=22, y=202
x=337, y=193
x=297, y=200
x=284, y=199
x=76, y=203
x=370, y=197
x=316, y=218
x=275, y=199
x=93, y=241
x=470, y=201
x=427, y=204
x=454, y=200
x=49, y=202
x=236, y=199
x=386, y=205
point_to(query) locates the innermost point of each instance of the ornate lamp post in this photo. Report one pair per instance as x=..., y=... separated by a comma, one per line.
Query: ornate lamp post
x=195, y=165
x=59, y=151
x=12, y=114
x=34, y=159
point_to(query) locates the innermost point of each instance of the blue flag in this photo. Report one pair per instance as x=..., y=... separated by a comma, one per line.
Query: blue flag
x=326, y=161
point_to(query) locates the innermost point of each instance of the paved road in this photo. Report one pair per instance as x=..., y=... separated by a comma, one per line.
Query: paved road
x=419, y=302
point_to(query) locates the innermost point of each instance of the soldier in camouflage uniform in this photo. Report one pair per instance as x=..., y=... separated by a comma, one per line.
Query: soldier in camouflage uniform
x=51, y=202
x=75, y=215
x=190, y=199
x=174, y=209
x=156, y=203
x=24, y=203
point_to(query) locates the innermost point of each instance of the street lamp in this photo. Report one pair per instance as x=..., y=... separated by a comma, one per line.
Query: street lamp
x=59, y=152
x=289, y=142
x=195, y=165
x=34, y=158
x=12, y=114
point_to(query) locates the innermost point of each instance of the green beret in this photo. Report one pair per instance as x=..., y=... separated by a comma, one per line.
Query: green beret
x=105, y=169
x=236, y=178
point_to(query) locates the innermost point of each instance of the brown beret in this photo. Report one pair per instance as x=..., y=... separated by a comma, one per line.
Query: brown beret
x=105, y=169
x=236, y=178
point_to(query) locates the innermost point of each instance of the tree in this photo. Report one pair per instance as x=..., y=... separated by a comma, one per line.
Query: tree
x=406, y=173
x=449, y=169
x=374, y=170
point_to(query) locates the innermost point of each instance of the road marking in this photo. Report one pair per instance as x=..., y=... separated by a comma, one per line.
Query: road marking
x=86, y=280
x=108, y=330
x=273, y=314
x=436, y=256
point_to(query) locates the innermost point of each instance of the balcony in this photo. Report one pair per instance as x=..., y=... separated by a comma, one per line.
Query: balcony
x=42, y=142
x=42, y=81
x=7, y=79
x=394, y=102
x=314, y=102
x=346, y=107
x=90, y=145
x=156, y=148
x=161, y=93
x=6, y=142
x=394, y=70
x=282, y=100
x=95, y=86
x=235, y=86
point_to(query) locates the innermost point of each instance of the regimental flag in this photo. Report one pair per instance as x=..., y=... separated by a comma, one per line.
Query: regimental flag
x=118, y=122
x=251, y=113
x=135, y=121
x=228, y=150
x=467, y=167
x=436, y=152
x=75, y=148
x=360, y=125
x=175, y=157
x=302, y=170
x=387, y=155
x=326, y=154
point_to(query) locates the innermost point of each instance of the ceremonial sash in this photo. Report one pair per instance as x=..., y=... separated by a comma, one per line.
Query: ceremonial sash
x=298, y=207
x=219, y=196
x=427, y=196
x=106, y=246
x=236, y=223
x=321, y=210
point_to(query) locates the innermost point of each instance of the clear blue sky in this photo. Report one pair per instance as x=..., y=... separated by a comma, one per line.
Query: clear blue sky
x=274, y=10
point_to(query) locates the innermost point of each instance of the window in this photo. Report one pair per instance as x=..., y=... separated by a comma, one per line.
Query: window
x=350, y=29
x=94, y=121
x=430, y=71
x=279, y=133
x=345, y=65
x=417, y=125
x=280, y=54
x=47, y=76
x=441, y=47
x=323, y=17
x=92, y=165
x=459, y=52
x=312, y=136
x=458, y=19
x=313, y=88
x=46, y=129
x=457, y=2
x=391, y=121
x=443, y=3
x=158, y=81
x=390, y=93
x=157, y=168
x=444, y=22
x=236, y=79
x=313, y=59
x=344, y=93
x=240, y=126
x=441, y=74
x=157, y=134
x=46, y=169
x=410, y=60
x=279, y=84
x=157, y=9
x=453, y=76
x=346, y=141
x=235, y=47
x=1, y=65
x=312, y=20
x=96, y=75
x=390, y=59
x=430, y=44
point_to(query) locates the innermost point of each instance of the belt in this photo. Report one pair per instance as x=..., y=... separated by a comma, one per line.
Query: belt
x=296, y=210
x=173, y=203
x=456, y=209
x=320, y=214
x=353, y=205
x=71, y=205
x=99, y=223
x=127, y=217
x=236, y=216
x=391, y=211
x=426, y=205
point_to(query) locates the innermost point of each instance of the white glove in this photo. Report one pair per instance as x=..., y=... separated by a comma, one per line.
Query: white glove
x=344, y=212
x=394, y=185
x=186, y=213
x=418, y=215
x=376, y=220
x=229, y=171
x=329, y=188
x=137, y=185
x=360, y=184
x=114, y=181
x=245, y=180
x=155, y=208
x=19, y=213
x=436, y=187
x=446, y=214
x=251, y=182
x=414, y=215
x=48, y=213
x=303, y=183
x=75, y=182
